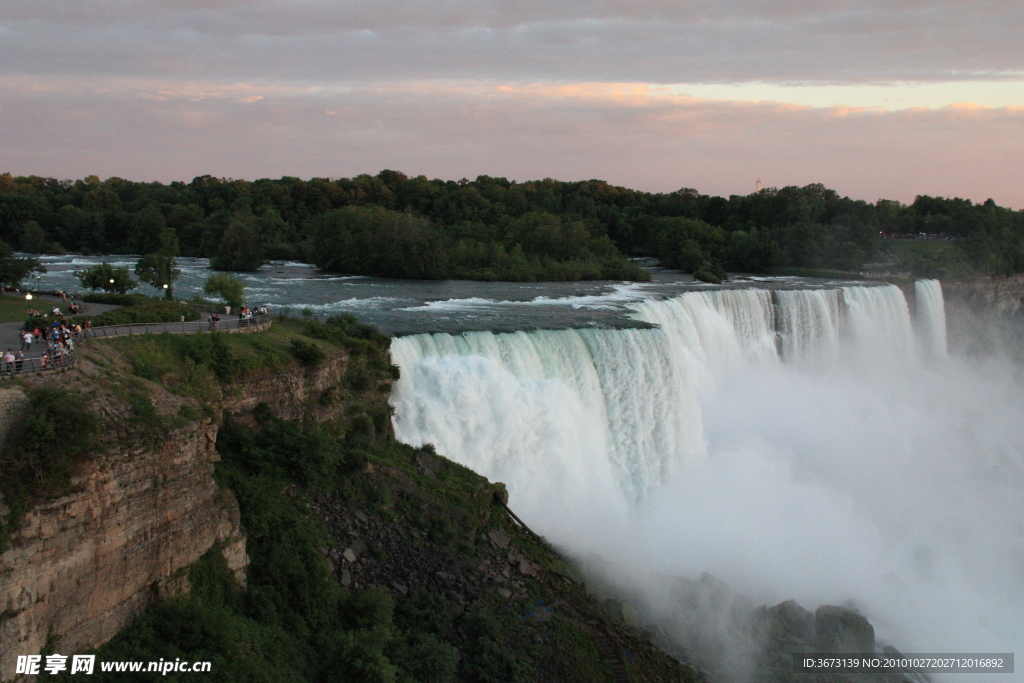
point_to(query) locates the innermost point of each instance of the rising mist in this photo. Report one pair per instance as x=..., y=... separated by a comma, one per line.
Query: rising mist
x=818, y=445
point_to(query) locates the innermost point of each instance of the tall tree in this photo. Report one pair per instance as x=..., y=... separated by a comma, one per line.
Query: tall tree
x=159, y=268
x=106, y=277
x=241, y=248
x=14, y=269
x=228, y=288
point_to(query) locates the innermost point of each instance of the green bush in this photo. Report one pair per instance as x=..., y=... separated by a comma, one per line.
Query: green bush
x=144, y=310
x=307, y=353
x=59, y=431
x=424, y=658
x=424, y=611
x=113, y=299
x=486, y=661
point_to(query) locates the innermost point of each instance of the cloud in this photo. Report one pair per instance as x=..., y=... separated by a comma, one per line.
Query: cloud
x=629, y=134
x=666, y=41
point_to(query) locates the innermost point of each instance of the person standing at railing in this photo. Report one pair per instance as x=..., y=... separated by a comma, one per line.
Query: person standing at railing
x=19, y=361
x=9, y=362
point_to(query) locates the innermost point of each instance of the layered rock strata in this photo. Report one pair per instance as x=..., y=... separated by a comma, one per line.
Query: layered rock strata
x=82, y=566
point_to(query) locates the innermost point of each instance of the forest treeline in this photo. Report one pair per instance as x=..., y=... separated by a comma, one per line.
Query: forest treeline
x=491, y=228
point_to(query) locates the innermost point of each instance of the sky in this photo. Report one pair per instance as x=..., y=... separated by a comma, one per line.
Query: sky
x=873, y=98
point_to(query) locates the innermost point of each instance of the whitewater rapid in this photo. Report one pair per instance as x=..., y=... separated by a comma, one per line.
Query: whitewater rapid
x=816, y=444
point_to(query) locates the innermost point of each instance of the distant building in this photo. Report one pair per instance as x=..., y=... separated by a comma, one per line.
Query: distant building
x=757, y=187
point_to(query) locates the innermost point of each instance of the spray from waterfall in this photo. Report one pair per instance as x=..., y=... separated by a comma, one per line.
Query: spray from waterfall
x=807, y=444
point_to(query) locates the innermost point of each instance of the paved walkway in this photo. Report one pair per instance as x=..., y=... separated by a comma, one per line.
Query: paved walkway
x=10, y=332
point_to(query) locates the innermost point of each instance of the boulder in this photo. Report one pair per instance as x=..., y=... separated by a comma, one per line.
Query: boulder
x=498, y=538
x=840, y=629
x=792, y=620
x=500, y=493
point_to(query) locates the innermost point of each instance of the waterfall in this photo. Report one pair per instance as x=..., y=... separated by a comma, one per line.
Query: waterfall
x=581, y=412
x=877, y=322
x=808, y=321
x=930, y=316
x=789, y=442
x=617, y=411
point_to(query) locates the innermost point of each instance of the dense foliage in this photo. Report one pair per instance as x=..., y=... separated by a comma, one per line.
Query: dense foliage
x=137, y=308
x=106, y=277
x=14, y=269
x=59, y=432
x=393, y=225
x=226, y=287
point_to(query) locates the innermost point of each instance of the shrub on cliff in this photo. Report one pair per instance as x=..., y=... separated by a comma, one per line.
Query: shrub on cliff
x=39, y=457
x=143, y=310
x=307, y=353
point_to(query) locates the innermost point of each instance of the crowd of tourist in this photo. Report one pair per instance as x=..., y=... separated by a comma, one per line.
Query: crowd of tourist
x=246, y=316
x=60, y=336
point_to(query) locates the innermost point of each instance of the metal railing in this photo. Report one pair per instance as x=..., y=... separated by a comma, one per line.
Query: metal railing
x=28, y=366
x=234, y=324
x=68, y=359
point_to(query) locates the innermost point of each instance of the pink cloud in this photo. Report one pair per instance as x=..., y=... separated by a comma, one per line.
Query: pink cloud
x=627, y=134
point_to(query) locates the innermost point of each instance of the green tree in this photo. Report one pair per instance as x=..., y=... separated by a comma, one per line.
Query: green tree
x=14, y=269
x=145, y=229
x=106, y=277
x=159, y=268
x=226, y=287
x=241, y=248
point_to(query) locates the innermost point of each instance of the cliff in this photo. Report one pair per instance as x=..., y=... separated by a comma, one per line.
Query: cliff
x=80, y=566
x=84, y=565
x=1000, y=295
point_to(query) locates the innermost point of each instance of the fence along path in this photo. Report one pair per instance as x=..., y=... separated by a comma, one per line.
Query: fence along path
x=68, y=359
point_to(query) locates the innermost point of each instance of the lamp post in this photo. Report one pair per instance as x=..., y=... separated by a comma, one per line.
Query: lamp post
x=28, y=296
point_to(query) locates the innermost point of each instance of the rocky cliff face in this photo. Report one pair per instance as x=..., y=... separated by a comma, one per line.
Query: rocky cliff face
x=292, y=395
x=999, y=295
x=84, y=565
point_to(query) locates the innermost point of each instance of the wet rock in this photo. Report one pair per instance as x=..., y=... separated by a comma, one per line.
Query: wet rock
x=839, y=629
x=429, y=463
x=792, y=620
x=500, y=493
x=498, y=538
